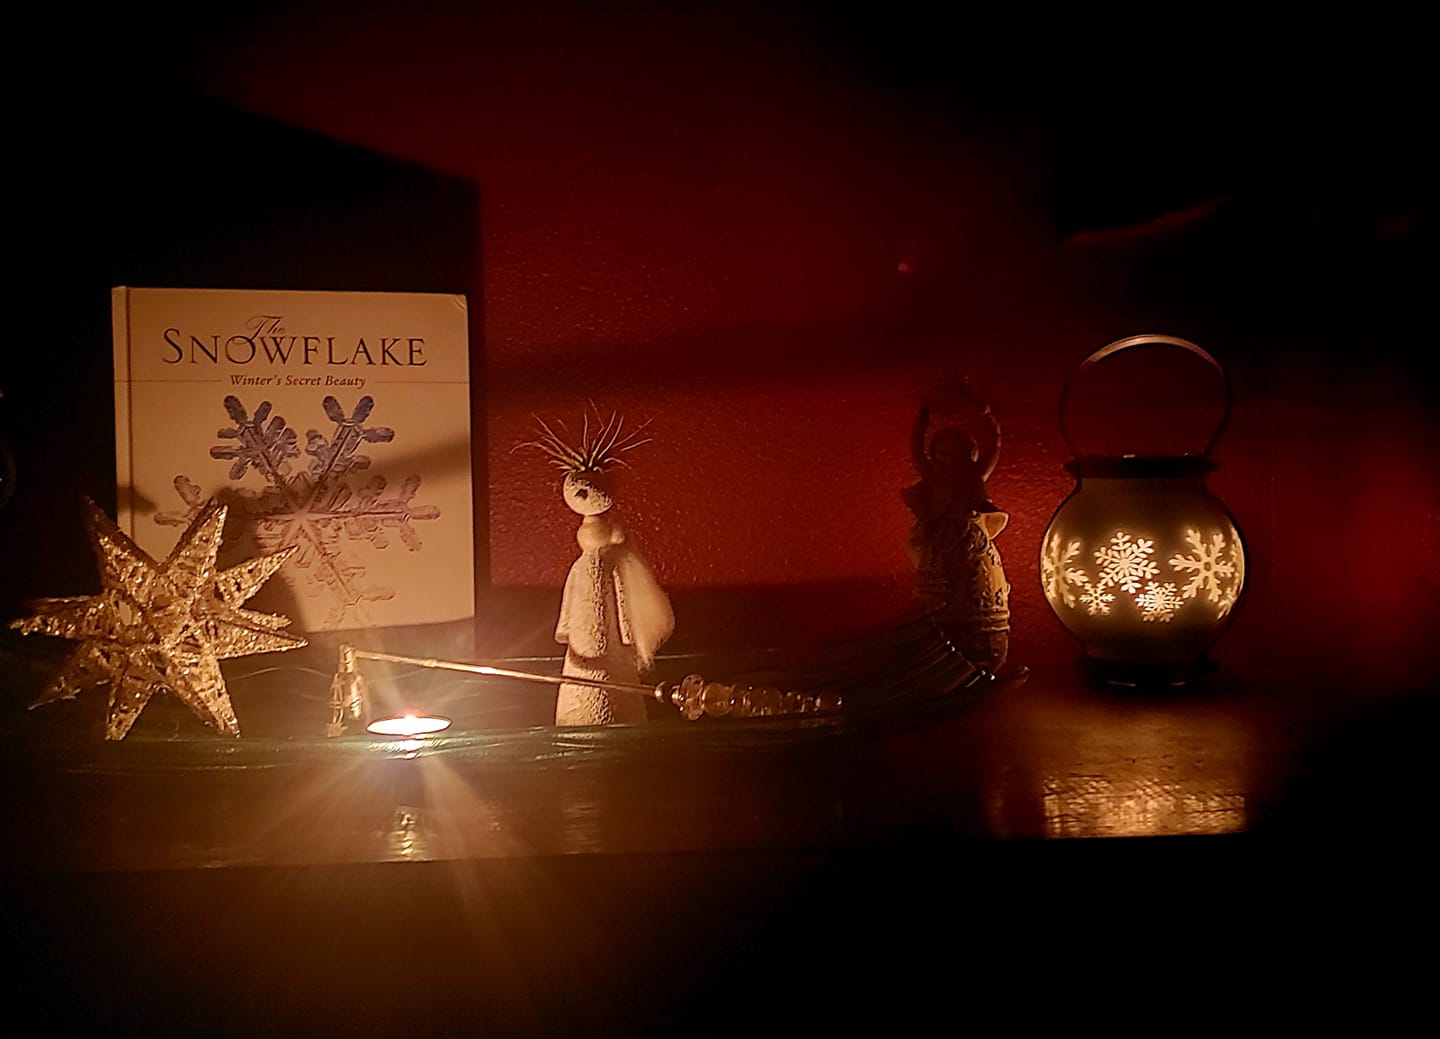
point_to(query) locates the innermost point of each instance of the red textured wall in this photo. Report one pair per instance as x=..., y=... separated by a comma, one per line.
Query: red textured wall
x=768, y=241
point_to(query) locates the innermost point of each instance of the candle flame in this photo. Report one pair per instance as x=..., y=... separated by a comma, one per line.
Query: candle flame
x=409, y=724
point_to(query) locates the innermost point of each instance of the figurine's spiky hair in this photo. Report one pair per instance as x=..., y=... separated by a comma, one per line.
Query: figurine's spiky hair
x=595, y=451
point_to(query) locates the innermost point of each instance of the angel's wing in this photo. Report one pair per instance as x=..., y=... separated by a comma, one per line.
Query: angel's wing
x=642, y=607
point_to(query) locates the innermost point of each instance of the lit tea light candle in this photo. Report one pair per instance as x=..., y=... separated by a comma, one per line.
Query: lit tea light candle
x=409, y=724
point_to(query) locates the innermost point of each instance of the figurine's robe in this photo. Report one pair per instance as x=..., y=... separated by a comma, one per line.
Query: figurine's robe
x=614, y=616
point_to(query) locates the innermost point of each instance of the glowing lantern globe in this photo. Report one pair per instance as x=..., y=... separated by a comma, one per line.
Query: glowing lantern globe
x=1142, y=562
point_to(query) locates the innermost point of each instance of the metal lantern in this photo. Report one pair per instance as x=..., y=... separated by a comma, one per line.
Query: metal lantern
x=1142, y=562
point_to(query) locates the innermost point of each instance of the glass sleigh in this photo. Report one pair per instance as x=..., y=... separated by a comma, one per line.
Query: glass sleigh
x=174, y=795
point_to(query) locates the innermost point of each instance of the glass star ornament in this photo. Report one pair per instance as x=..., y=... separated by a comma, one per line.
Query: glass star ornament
x=162, y=626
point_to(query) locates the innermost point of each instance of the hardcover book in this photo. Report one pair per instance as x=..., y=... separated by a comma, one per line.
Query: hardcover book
x=337, y=422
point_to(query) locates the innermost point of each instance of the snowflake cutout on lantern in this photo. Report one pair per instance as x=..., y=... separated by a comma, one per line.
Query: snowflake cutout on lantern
x=1231, y=593
x=1126, y=562
x=1096, y=600
x=1215, y=567
x=317, y=506
x=1206, y=565
x=1159, y=602
x=1058, y=575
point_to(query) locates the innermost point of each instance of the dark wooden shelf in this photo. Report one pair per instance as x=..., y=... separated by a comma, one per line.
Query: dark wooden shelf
x=1046, y=756
x=532, y=880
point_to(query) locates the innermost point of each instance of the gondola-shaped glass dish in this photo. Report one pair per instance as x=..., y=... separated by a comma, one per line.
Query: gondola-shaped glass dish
x=768, y=748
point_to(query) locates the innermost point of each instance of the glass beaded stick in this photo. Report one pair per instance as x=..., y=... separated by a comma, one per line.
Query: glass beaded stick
x=693, y=696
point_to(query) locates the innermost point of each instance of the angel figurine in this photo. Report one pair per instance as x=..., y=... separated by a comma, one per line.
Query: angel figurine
x=959, y=578
x=614, y=616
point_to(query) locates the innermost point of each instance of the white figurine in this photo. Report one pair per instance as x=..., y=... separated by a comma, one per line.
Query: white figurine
x=614, y=616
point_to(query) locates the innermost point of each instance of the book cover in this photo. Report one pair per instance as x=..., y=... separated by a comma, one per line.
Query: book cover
x=338, y=422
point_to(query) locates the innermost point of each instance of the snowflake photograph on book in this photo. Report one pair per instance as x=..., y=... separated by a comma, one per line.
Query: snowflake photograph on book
x=319, y=505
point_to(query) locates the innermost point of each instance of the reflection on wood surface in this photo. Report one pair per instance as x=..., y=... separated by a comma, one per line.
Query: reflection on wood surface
x=1096, y=806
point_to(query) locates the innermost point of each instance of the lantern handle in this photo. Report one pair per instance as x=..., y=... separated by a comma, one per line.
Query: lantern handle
x=1148, y=339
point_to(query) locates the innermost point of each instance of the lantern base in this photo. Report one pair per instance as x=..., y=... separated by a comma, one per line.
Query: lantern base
x=1131, y=674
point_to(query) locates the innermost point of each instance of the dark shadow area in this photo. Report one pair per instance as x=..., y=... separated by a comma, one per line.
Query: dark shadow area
x=685, y=945
x=150, y=187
